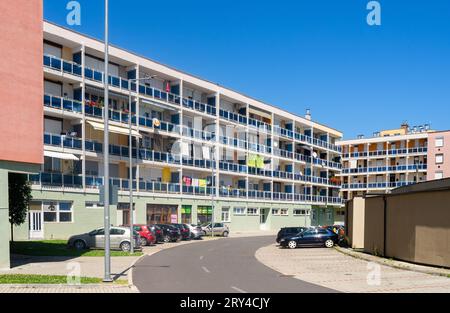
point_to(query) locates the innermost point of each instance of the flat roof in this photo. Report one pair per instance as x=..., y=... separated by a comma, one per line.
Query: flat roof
x=327, y=128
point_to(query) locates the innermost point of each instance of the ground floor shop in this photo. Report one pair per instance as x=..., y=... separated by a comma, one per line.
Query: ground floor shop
x=58, y=215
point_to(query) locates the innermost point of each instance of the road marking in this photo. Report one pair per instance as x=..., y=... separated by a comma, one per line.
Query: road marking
x=205, y=269
x=201, y=257
x=238, y=289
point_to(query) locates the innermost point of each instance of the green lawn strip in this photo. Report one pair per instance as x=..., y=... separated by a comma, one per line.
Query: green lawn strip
x=58, y=248
x=43, y=279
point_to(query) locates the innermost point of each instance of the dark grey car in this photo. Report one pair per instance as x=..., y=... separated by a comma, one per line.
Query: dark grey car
x=119, y=239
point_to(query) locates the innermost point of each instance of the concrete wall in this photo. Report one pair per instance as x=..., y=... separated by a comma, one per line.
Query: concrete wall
x=21, y=83
x=4, y=220
x=355, y=222
x=417, y=227
x=373, y=225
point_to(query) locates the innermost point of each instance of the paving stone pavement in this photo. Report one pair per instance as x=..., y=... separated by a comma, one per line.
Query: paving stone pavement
x=330, y=268
x=66, y=289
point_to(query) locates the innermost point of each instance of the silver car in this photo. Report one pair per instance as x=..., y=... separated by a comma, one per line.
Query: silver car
x=119, y=239
x=220, y=229
x=196, y=231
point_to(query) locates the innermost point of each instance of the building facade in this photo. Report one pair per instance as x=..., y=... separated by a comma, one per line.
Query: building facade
x=392, y=159
x=20, y=101
x=201, y=152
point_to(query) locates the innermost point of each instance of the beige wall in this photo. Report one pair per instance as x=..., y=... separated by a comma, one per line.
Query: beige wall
x=417, y=227
x=355, y=222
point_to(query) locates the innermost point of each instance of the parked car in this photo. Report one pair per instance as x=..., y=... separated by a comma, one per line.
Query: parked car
x=147, y=236
x=184, y=230
x=119, y=239
x=196, y=231
x=170, y=233
x=159, y=233
x=220, y=229
x=312, y=237
x=289, y=231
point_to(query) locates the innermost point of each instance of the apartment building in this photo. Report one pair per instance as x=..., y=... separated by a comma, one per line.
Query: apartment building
x=22, y=112
x=394, y=158
x=200, y=151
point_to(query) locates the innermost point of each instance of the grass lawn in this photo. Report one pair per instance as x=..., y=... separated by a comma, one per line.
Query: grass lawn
x=43, y=279
x=58, y=248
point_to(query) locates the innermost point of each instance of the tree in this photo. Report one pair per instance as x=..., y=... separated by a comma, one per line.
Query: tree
x=19, y=191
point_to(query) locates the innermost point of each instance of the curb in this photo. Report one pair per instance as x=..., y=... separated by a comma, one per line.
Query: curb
x=394, y=263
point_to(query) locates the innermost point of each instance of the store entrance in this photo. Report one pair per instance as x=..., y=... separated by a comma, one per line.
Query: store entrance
x=162, y=214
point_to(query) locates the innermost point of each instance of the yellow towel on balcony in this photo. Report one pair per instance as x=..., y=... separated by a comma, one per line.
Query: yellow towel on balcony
x=166, y=175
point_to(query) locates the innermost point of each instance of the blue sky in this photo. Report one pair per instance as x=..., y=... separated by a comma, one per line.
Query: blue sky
x=317, y=54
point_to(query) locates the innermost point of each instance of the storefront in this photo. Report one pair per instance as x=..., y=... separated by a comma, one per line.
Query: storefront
x=204, y=214
x=186, y=214
x=162, y=214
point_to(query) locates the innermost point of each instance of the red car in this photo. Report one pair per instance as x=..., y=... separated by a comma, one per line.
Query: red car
x=147, y=235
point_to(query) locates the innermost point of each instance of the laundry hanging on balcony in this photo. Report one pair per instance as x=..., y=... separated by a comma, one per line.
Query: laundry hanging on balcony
x=255, y=160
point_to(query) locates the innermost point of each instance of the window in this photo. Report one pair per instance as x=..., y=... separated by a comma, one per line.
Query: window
x=55, y=212
x=117, y=231
x=439, y=142
x=252, y=211
x=239, y=211
x=65, y=212
x=300, y=212
x=329, y=215
x=284, y=212
x=225, y=215
x=438, y=175
x=439, y=158
x=93, y=205
x=275, y=211
x=314, y=215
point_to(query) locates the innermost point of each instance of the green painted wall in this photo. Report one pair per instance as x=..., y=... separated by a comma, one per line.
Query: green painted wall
x=4, y=220
x=86, y=219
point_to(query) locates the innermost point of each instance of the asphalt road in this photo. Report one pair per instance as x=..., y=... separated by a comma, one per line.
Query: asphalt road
x=218, y=266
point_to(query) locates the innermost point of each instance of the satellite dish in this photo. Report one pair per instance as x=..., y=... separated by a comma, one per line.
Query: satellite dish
x=156, y=122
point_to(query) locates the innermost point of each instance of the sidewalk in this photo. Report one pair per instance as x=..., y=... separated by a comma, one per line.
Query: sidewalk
x=238, y=234
x=121, y=268
x=338, y=271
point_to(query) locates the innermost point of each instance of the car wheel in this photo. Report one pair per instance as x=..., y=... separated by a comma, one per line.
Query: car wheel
x=292, y=244
x=143, y=241
x=225, y=234
x=125, y=246
x=167, y=238
x=329, y=243
x=79, y=245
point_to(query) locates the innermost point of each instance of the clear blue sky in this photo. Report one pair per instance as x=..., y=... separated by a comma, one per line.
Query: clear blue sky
x=298, y=54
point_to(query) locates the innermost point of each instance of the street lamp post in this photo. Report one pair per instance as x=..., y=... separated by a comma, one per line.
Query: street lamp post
x=212, y=189
x=107, y=274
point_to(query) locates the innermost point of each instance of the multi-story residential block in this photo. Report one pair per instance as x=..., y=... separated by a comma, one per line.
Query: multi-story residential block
x=21, y=90
x=394, y=158
x=200, y=151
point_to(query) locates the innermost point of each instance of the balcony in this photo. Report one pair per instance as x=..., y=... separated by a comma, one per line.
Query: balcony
x=233, y=167
x=379, y=185
x=158, y=94
x=62, y=66
x=200, y=107
x=71, y=143
x=62, y=104
x=233, y=117
x=382, y=153
x=198, y=134
x=399, y=168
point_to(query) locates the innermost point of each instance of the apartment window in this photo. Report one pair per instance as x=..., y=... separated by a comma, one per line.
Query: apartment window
x=329, y=215
x=55, y=212
x=225, y=215
x=275, y=211
x=284, y=212
x=93, y=205
x=439, y=158
x=439, y=142
x=239, y=211
x=252, y=211
x=301, y=212
x=438, y=175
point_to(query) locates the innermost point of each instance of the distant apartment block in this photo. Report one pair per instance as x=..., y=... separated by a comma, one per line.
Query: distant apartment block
x=394, y=158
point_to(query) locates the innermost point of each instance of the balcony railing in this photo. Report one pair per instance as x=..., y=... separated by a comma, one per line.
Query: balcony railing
x=390, y=152
x=234, y=117
x=62, y=66
x=198, y=134
x=398, y=168
x=200, y=107
x=380, y=185
x=62, y=104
